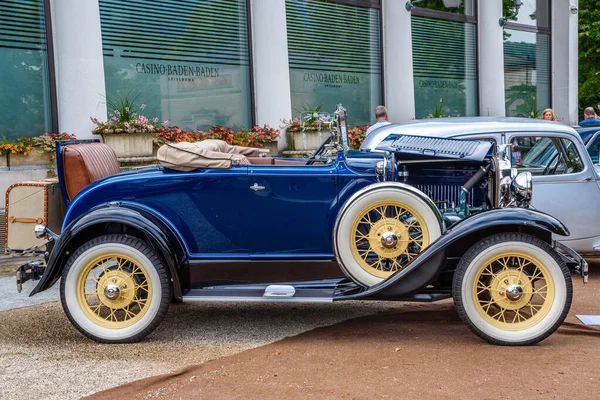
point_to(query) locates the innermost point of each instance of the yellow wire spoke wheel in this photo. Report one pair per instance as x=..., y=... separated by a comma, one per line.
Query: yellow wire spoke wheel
x=512, y=288
x=386, y=236
x=513, y=291
x=114, y=291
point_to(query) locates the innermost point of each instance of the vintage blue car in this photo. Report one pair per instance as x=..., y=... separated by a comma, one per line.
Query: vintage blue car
x=221, y=223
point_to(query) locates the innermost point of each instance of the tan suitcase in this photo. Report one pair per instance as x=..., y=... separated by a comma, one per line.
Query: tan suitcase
x=27, y=204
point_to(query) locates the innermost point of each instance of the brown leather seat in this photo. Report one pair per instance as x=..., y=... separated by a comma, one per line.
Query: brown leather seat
x=280, y=161
x=86, y=163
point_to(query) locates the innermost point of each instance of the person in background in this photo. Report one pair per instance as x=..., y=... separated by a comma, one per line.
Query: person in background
x=548, y=115
x=382, y=119
x=589, y=117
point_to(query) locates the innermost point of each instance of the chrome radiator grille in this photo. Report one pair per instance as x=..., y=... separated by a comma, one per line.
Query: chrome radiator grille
x=445, y=193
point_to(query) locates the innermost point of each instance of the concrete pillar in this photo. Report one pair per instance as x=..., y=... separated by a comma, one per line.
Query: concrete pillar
x=271, y=63
x=565, y=60
x=79, y=65
x=491, y=59
x=398, y=61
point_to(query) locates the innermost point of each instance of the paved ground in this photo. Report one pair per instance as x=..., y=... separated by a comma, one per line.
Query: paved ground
x=383, y=350
x=43, y=357
x=421, y=351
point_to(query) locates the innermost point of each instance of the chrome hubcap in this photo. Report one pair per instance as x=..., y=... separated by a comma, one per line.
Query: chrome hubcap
x=389, y=240
x=112, y=292
x=514, y=292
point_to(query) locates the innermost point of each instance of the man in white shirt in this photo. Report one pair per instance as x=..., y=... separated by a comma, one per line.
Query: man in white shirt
x=382, y=119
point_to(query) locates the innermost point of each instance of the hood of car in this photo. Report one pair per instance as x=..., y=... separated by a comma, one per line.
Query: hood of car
x=425, y=146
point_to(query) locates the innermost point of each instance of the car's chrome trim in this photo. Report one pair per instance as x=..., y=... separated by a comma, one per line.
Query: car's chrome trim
x=250, y=299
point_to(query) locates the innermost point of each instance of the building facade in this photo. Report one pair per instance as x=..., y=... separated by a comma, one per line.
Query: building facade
x=238, y=63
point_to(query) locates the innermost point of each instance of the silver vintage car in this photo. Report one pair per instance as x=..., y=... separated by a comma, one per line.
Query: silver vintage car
x=566, y=182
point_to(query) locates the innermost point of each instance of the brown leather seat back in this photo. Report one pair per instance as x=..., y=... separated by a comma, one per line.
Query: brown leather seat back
x=86, y=163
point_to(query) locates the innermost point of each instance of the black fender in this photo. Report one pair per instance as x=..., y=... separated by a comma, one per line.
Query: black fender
x=159, y=235
x=429, y=263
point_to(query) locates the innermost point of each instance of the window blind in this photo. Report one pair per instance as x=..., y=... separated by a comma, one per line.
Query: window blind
x=332, y=36
x=22, y=24
x=444, y=49
x=211, y=31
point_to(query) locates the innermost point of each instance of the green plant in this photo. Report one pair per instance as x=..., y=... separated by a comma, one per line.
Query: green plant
x=529, y=107
x=255, y=137
x=439, y=111
x=26, y=145
x=123, y=117
x=123, y=108
x=309, y=114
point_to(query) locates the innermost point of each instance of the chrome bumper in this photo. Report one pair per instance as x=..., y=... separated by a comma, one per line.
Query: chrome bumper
x=574, y=261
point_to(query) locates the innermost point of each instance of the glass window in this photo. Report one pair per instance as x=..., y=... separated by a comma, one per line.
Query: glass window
x=593, y=149
x=546, y=155
x=526, y=73
x=464, y=7
x=335, y=57
x=445, y=67
x=24, y=82
x=531, y=12
x=185, y=63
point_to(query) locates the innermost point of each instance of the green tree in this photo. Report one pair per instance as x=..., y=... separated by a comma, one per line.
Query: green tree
x=589, y=54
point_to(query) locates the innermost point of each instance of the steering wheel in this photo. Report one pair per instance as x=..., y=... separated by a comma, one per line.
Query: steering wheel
x=548, y=170
x=317, y=156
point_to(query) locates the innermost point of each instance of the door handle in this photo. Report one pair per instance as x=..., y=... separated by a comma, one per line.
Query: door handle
x=256, y=187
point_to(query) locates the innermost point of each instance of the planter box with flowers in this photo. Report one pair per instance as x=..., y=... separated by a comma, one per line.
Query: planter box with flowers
x=36, y=151
x=128, y=132
x=305, y=135
x=265, y=136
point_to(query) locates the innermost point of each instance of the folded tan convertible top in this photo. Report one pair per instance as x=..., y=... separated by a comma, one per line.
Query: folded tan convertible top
x=210, y=153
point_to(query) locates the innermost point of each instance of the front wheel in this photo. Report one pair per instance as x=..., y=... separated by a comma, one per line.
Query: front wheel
x=115, y=289
x=512, y=289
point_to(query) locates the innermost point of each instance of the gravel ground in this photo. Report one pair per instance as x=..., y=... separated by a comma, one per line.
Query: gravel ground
x=43, y=357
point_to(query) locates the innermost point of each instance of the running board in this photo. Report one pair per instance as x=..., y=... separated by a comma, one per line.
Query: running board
x=263, y=293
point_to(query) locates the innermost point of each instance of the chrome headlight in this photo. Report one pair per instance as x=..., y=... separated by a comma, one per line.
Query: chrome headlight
x=40, y=231
x=380, y=168
x=521, y=188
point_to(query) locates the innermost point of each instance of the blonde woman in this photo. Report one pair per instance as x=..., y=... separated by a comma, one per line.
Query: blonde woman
x=548, y=115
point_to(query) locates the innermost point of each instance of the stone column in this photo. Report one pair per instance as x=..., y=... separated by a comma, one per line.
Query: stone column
x=491, y=59
x=398, y=80
x=79, y=65
x=565, y=60
x=271, y=64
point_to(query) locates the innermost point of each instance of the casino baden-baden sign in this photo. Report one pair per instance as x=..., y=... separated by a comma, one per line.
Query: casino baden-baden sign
x=177, y=71
x=332, y=80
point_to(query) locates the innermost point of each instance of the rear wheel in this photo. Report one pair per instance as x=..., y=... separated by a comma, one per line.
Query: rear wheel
x=512, y=289
x=382, y=231
x=115, y=289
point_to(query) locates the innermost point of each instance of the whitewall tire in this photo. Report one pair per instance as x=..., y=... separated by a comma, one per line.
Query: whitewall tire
x=115, y=289
x=381, y=231
x=512, y=289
